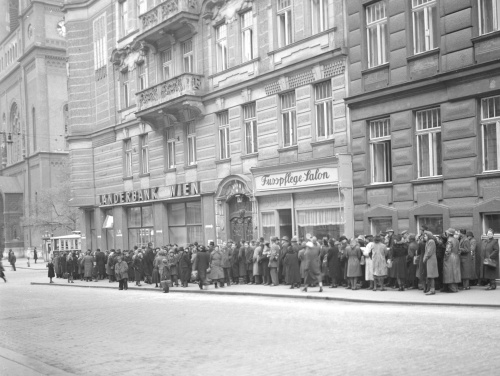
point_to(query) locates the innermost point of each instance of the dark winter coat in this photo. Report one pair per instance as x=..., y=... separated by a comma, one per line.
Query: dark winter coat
x=201, y=264
x=490, y=250
x=121, y=270
x=312, y=264
x=235, y=262
x=399, y=253
x=242, y=262
x=291, y=265
x=333, y=262
x=88, y=264
x=138, y=268
x=51, y=274
x=353, y=265
x=148, y=260
x=466, y=266
x=100, y=260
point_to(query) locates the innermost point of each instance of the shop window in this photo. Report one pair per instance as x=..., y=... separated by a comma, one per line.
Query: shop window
x=268, y=225
x=489, y=16
x=166, y=64
x=433, y=223
x=288, y=119
x=428, y=124
x=319, y=13
x=490, y=129
x=140, y=225
x=142, y=76
x=144, y=145
x=250, y=120
x=221, y=47
x=127, y=148
x=376, y=34
x=108, y=228
x=323, y=105
x=170, y=147
x=284, y=22
x=185, y=222
x=491, y=220
x=125, y=92
x=191, y=144
x=320, y=223
x=380, y=151
x=187, y=56
x=223, y=123
x=247, y=35
x=425, y=25
x=378, y=225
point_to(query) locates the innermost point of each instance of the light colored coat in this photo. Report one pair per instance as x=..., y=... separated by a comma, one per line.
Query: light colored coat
x=451, y=264
x=430, y=259
x=379, y=255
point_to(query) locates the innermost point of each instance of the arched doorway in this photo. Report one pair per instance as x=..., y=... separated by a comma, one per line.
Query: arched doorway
x=235, y=215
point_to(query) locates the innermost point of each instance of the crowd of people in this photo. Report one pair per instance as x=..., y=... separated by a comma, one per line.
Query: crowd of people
x=448, y=262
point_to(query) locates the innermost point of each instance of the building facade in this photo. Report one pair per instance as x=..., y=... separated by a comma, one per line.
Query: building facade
x=425, y=112
x=208, y=120
x=33, y=104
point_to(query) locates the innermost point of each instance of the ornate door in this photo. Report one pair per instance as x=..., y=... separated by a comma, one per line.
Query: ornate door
x=240, y=219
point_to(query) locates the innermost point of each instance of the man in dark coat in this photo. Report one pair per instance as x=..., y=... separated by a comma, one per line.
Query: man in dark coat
x=184, y=266
x=35, y=254
x=62, y=264
x=285, y=244
x=149, y=258
x=100, y=261
x=235, y=268
x=226, y=262
x=291, y=263
x=201, y=264
x=334, y=266
x=249, y=249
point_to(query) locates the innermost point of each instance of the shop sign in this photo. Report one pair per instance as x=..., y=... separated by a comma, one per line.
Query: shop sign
x=185, y=189
x=303, y=178
x=129, y=196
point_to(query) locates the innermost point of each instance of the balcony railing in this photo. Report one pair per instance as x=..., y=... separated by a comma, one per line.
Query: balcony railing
x=166, y=11
x=166, y=91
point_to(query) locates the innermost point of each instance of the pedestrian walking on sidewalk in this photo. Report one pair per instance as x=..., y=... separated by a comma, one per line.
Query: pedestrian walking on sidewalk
x=51, y=273
x=12, y=259
x=35, y=254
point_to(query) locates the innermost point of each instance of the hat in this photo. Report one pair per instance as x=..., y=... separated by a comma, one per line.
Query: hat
x=165, y=261
x=285, y=238
x=294, y=239
x=389, y=230
x=469, y=233
x=361, y=237
x=451, y=231
x=404, y=232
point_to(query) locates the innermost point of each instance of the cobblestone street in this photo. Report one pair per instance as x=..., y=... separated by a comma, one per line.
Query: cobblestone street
x=85, y=331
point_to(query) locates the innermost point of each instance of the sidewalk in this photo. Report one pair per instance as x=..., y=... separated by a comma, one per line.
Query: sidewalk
x=22, y=263
x=475, y=297
x=12, y=363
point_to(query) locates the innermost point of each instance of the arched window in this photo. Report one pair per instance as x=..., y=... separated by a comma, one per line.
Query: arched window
x=15, y=131
x=33, y=122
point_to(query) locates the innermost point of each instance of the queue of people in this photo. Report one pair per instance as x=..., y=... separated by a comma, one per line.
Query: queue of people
x=446, y=262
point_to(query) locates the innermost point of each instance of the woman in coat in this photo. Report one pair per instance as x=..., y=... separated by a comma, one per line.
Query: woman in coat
x=312, y=265
x=121, y=273
x=367, y=253
x=165, y=276
x=430, y=261
x=184, y=266
x=466, y=265
x=174, y=272
x=71, y=266
x=399, y=254
x=473, y=251
x=291, y=264
x=379, y=258
x=216, y=270
x=353, y=253
x=490, y=251
x=110, y=266
x=88, y=264
x=51, y=273
x=411, y=279
x=451, y=264
x=333, y=261
x=137, y=262
x=200, y=265
x=274, y=260
x=257, y=253
x=156, y=267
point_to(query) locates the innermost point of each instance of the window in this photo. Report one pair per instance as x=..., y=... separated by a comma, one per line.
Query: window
x=379, y=225
x=320, y=223
x=142, y=6
x=376, y=34
x=268, y=225
x=100, y=42
x=288, y=119
x=142, y=76
x=323, y=104
x=127, y=147
x=191, y=143
x=33, y=121
x=490, y=129
x=166, y=64
x=247, y=35
x=491, y=220
x=380, y=151
x=425, y=25
x=187, y=56
x=284, y=22
x=489, y=16
x=428, y=123
x=140, y=225
x=144, y=144
x=185, y=224
x=250, y=120
x=123, y=12
x=221, y=46
x=109, y=232
x=125, y=90
x=433, y=223
x=170, y=147
x=319, y=12
x=224, y=148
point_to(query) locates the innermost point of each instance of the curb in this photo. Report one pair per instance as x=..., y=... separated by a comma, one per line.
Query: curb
x=30, y=364
x=330, y=298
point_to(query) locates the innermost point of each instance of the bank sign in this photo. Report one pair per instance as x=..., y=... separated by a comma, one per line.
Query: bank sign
x=297, y=179
x=127, y=197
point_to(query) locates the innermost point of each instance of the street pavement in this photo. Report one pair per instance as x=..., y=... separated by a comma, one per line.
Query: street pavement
x=84, y=331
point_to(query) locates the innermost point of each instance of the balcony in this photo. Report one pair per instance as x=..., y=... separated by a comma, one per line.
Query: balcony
x=167, y=18
x=172, y=101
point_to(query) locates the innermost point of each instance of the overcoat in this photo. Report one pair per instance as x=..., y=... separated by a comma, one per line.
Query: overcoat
x=226, y=257
x=451, y=264
x=333, y=260
x=367, y=252
x=235, y=267
x=138, y=268
x=312, y=268
x=242, y=262
x=411, y=266
x=88, y=264
x=490, y=247
x=379, y=255
x=121, y=270
x=466, y=265
x=430, y=260
x=291, y=265
x=216, y=270
x=51, y=273
x=255, y=258
x=157, y=267
x=130, y=263
x=110, y=265
x=353, y=257
x=148, y=260
x=399, y=253
x=249, y=258
x=100, y=260
x=201, y=264
x=274, y=256
x=184, y=265
x=422, y=269
x=301, y=255
x=474, y=252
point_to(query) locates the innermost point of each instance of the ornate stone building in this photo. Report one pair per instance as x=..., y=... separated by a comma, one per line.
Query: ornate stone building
x=195, y=120
x=33, y=102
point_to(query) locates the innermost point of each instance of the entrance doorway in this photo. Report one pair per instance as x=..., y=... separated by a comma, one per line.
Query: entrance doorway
x=240, y=218
x=285, y=218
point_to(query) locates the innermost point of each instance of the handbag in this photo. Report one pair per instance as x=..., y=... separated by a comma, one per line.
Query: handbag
x=389, y=263
x=489, y=262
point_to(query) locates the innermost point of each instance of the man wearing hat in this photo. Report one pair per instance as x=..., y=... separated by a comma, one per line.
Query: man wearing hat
x=291, y=264
x=451, y=264
x=274, y=260
x=249, y=248
x=285, y=244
